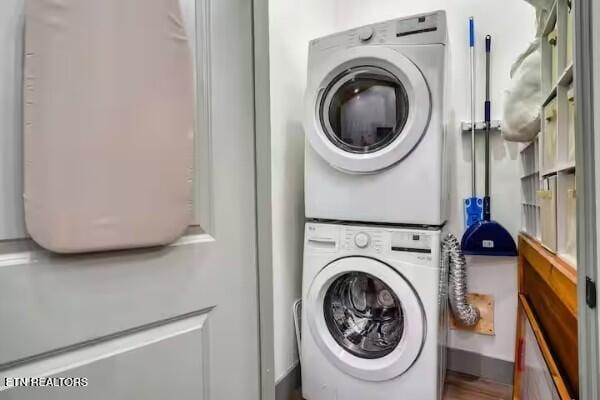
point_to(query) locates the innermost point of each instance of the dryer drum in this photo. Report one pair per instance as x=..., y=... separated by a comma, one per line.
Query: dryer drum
x=364, y=315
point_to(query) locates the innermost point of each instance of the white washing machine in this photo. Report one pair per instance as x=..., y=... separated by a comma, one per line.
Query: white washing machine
x=374, y=317
x=374, y=119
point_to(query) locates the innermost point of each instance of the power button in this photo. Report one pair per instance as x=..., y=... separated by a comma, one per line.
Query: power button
x=361, y=240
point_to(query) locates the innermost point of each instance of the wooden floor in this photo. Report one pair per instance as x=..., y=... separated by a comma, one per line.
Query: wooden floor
x=466, y=387
x=463, y=387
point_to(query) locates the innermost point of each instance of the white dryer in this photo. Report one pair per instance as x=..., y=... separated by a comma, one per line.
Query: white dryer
x=374, y=119
x=374, y=318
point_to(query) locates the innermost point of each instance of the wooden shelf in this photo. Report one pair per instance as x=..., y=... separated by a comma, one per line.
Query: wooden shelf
x=569, y=260
x=550, y=267
x=554, y=371
x=548, y=286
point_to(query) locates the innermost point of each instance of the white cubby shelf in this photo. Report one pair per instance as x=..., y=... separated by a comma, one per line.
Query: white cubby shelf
x=548, y=167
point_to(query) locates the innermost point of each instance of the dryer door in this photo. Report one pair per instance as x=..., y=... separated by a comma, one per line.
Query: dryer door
x=366, y=318
x=366, y=108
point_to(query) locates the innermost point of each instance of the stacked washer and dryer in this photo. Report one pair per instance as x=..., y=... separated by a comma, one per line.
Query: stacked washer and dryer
x=374, y=287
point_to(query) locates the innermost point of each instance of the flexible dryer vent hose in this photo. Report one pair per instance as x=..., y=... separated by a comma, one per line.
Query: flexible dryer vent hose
x=465, y=313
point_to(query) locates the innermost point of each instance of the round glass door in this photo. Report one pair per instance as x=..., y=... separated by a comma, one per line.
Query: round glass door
x=366, y=318
x=363, y=315
x=364, y=109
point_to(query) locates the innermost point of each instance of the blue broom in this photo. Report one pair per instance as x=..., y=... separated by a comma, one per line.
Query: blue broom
x=473, y=205
x=487, y=237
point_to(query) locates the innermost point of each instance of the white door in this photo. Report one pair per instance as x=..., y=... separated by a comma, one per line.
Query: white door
x=366, y=318
x=178, y=322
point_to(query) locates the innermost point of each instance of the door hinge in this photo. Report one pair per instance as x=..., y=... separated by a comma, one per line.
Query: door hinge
x=590, y=292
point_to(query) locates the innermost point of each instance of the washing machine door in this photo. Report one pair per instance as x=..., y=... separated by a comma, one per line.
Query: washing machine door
x=366, y=108
x=366, y=318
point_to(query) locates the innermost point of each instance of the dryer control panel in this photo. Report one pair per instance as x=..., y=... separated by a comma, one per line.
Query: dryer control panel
x=422, y=29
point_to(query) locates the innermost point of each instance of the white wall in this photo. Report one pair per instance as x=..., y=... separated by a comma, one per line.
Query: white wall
x=511, y=22
x=291, y=26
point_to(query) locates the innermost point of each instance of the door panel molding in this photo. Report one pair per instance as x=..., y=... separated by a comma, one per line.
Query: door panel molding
x=96, y=292
x=178, y=352
x=82, y=354
x=24, y=252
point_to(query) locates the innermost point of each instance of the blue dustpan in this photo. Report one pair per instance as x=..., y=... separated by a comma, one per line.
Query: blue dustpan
x=487, y=237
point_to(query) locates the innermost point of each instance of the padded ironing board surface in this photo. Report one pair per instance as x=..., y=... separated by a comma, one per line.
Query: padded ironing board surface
x=108, y=114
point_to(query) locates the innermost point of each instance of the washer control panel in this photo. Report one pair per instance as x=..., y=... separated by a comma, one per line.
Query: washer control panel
x=411, y=242
x=356, y=238
x=412, y=245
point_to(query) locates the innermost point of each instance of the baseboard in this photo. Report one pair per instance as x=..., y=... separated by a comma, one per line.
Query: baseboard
x=467, y=362
x=288, y=384
x=462, y=361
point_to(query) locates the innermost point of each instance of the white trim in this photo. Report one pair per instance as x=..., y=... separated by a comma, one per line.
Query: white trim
x=587, y=81
x=288, y=371
x=193, y=239
x=10, y=259
x=264, y=230
x=203, y=132
x=19, y=258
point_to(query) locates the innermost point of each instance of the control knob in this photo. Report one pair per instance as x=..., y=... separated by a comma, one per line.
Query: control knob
x=361, y=240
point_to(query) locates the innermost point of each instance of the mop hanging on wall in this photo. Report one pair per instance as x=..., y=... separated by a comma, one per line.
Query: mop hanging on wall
x=488, y=237
x=108, y=109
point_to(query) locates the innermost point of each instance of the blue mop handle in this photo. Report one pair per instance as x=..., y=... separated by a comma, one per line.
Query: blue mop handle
x=471, y=32
x=472, y=57
x=487, y=207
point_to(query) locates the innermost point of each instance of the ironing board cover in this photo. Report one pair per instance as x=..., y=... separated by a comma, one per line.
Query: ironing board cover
x=108, y=124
